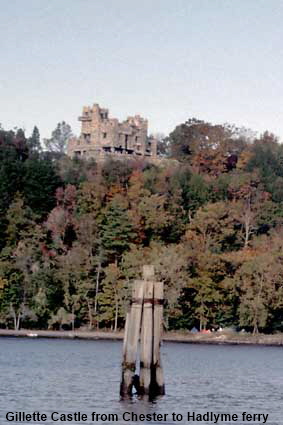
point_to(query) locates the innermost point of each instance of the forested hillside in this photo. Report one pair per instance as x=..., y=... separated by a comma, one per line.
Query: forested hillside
x=74, y=234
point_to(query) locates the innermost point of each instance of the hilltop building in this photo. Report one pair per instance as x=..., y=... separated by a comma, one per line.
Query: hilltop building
x=102, y=136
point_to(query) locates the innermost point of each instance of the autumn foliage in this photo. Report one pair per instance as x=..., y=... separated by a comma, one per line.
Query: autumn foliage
x=74, y=234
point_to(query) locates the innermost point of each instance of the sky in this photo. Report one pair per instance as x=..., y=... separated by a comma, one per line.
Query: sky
x=167, y=60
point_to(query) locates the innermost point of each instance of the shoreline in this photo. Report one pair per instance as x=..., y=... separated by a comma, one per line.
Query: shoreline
x=227, y=338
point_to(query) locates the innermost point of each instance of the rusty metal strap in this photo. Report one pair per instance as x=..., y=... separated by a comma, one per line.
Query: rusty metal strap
x=130, y=366
x=152, y=366
x=155, y=301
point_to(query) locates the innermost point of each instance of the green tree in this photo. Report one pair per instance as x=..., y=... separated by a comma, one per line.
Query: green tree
x=255, y=281
x=116, y=172
x=59, y=138
x=116, y=231
x=112, y=296
x=40, y=182
x=207, y=300
x=171, y=263
x=12, y=300
x=33, y=142
x=213, y=228
x=73, y=270
x=19, y=221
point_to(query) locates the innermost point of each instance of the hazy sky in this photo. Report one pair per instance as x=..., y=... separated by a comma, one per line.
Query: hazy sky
x=168, y=60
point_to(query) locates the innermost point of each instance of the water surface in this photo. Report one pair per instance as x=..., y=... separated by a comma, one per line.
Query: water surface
x=48, y=375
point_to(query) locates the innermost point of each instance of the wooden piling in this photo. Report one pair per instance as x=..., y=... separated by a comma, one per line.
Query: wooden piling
x=131, y=339
x=157, y=378
x=146, y=348
x=145, y=319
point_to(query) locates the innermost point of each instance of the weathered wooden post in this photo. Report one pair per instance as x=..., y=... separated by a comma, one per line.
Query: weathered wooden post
x=157, y=379
x=146, y=347
x=131, y=339
x=145, y=316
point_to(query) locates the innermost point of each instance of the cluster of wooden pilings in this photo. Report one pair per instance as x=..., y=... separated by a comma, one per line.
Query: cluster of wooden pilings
x=143, y=336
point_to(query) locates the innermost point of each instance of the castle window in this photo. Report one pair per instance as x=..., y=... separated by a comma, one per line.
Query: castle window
x=104, y=135
x=126, y=141
x=87, y=137
x=137, y=138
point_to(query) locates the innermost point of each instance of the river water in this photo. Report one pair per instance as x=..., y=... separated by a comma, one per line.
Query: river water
x=67, y=376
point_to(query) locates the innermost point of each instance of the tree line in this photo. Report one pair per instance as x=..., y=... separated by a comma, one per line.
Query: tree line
x=74, y=234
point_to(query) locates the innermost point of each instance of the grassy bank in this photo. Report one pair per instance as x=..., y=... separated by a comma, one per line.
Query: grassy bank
x=184, y=337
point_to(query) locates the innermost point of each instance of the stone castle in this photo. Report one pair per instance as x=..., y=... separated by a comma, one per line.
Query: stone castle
x=102, y=137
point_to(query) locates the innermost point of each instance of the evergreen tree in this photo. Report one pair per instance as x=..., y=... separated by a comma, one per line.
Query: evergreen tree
x=117, y=231
x=39, y=185
x=33, y=141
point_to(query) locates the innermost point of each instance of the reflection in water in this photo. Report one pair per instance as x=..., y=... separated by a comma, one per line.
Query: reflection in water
x=84, y=376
